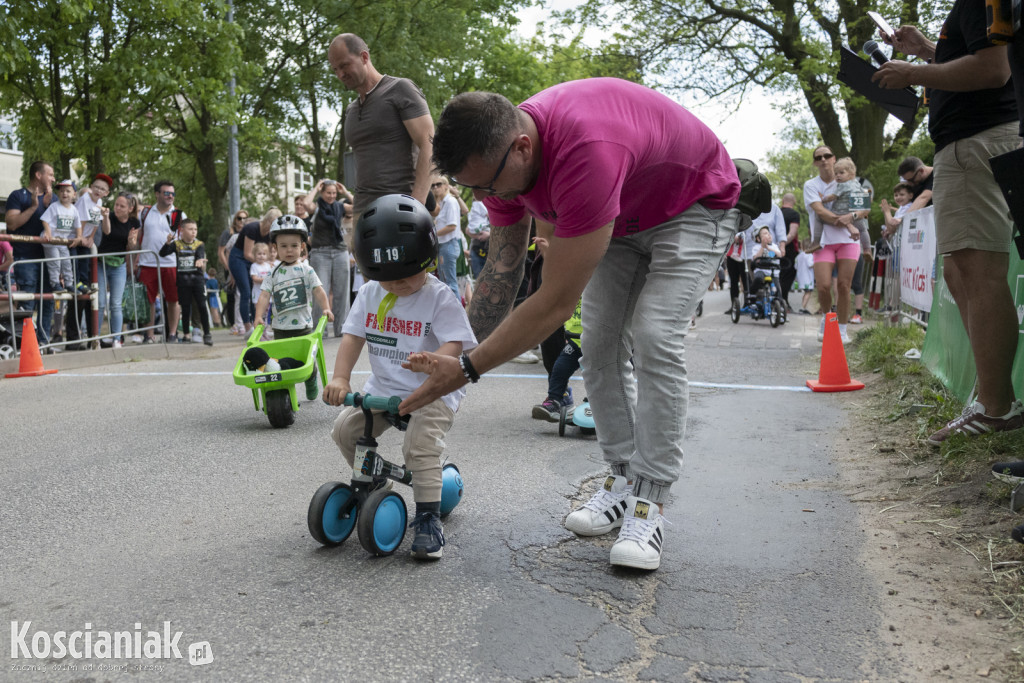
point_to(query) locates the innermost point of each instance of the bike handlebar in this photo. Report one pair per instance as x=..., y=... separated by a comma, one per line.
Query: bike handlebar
x=387, y=403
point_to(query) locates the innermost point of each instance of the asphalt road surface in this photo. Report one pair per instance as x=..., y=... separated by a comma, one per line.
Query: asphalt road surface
x=152, y=492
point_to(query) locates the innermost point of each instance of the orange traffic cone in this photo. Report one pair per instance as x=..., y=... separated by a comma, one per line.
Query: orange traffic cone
x=834, y=374
x=31, y=364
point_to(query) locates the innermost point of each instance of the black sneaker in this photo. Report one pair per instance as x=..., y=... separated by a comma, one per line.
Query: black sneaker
x=549, y=410
x=429, y=536
x=208, y=339
x=1010, y=472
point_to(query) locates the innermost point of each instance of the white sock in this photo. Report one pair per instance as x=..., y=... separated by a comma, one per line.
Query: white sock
x=842, y=329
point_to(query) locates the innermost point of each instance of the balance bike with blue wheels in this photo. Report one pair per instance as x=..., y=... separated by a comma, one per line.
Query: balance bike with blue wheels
x=582, y=416
x=367, y=505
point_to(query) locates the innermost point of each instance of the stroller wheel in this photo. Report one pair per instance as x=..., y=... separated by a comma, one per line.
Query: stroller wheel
x=6, y=352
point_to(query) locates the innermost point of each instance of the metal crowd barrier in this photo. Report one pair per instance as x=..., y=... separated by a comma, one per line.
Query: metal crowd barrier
x=72, y=299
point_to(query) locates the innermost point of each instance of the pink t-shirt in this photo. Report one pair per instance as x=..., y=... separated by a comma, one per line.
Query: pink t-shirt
x=615, y=150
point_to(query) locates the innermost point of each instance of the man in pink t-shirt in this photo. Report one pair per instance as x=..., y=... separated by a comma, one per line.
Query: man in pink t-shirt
x=636, y=198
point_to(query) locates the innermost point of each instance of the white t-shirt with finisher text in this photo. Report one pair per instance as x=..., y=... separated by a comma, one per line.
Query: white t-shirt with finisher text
x=420, y=322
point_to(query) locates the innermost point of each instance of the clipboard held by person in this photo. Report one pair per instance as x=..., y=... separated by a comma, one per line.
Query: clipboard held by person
x=857, y=73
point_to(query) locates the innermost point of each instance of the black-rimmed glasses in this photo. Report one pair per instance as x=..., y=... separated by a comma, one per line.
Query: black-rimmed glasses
x=489, y=188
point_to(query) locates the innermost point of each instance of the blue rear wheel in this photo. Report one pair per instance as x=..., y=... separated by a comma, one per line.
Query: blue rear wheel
x=332, y=516
x=382, y=522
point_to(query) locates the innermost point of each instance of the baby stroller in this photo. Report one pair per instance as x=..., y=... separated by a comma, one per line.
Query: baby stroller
x=764, y=297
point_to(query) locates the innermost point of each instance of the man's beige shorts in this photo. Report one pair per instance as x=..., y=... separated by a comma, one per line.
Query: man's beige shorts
x=970, y=212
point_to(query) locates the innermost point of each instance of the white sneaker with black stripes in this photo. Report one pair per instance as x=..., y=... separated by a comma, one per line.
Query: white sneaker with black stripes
x=641, y=537
x=604, y=511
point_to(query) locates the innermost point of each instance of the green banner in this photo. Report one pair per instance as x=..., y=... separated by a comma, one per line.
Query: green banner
x=947, y=352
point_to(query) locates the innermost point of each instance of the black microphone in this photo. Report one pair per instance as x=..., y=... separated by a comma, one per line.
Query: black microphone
x=871, y=48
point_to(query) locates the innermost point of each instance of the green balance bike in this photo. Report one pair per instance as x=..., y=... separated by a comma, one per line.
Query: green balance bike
x=273, y=391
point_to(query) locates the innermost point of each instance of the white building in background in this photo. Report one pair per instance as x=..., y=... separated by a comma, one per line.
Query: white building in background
x=10, y=162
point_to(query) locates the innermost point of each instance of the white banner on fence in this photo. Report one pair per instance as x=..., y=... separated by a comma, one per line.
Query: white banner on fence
x=917, y=258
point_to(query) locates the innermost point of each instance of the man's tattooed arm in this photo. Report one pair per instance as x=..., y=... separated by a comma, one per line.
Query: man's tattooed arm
x=500, y=279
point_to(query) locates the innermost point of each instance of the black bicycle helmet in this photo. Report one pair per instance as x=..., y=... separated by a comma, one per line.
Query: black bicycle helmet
x=394, y=239
x=289, y=225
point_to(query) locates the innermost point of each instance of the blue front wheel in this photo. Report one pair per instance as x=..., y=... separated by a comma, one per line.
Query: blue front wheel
x=332, y=513
x=382, y=522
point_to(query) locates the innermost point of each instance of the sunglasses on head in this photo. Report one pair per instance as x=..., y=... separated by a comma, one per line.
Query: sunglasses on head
x=822, y=157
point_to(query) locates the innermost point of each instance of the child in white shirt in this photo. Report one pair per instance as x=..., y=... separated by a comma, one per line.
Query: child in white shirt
x=61, y=220
x=402, y=309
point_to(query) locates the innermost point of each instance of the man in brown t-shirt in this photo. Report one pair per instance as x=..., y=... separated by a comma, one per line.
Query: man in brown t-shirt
x=388, y=126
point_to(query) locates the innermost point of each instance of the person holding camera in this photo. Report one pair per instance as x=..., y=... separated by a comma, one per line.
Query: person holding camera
x=328, y=253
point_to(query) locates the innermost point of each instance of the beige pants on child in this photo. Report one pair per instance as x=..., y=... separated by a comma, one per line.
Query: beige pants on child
x=424, y=443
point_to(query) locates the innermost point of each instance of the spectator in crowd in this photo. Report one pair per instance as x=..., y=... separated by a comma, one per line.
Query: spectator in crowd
x=328, y=254
x=388, y=126
x=854, y=193
x=840, y=245
x=24, y=209
x=158, y=272
x=765, y=249
x=446, y=227
x=744, y=244
x=120, y=235
x=736, y=267
x=258, y=272
x=805, y=276
x=479, y=231
x=60, y=221
x=6, y=261
x=90, y=200
x=190, y=257
x=241, y=259
x=566, y=157
x=972, y=116
x=791, y=219
x=88, y=205
x=301, y=209
x=776, y=224
x=225, y=243
x=213, y=297
x=903, y=196
x=920, y=178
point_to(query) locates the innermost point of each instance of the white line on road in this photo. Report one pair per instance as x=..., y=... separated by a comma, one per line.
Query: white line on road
x=699, y=385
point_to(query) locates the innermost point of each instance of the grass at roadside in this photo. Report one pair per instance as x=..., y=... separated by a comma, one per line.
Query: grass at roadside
x=912, y=404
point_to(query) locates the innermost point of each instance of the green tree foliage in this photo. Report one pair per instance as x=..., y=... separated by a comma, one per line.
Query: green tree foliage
x=138, y=89
x=723, y=48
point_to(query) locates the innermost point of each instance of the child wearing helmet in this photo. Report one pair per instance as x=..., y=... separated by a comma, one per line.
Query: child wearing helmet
x=401, y=309
x=190, y=260
x=292, y=285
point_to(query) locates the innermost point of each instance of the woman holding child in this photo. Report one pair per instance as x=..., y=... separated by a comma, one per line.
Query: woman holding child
x=836, y=240
x=242, y=258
